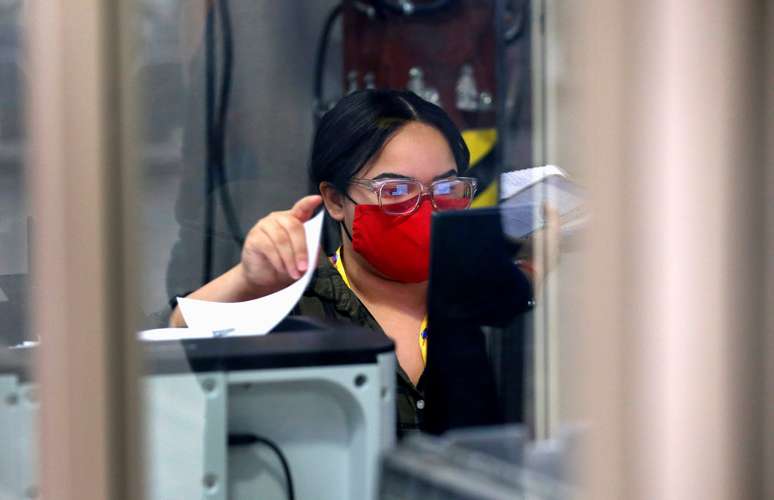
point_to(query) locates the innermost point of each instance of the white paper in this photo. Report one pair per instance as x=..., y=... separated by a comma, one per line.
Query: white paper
x=517, y=180
x=258, y=316
x=525, y=191
x=162, y=334
x=173, y=334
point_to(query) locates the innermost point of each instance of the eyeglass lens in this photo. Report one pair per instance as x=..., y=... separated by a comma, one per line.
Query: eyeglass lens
x=452, y=194
x=400, y=197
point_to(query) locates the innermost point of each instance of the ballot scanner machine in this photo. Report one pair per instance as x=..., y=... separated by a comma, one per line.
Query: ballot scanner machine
x=239, y=417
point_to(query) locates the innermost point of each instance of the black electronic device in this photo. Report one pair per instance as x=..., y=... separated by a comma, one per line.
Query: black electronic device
x=473, y=274
x=295, y=343
x=310, y=394
x=289, y=348
x=474, y=282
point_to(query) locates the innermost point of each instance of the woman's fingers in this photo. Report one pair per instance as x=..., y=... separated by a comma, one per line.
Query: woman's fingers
x=275, y=251
x=265, y=249
x=552, y=235
x=282, y=244
x=297, y=235
x=305, y=207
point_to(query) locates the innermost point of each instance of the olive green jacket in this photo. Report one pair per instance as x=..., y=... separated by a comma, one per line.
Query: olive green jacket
x=328, y=297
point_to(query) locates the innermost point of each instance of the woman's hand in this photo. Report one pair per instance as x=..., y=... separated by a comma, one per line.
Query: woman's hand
x=540, y=253
x=274, y=254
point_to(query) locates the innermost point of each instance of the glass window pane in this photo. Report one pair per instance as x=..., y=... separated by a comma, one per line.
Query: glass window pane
x=232, y=94
x=18, y=393
x=15, y=221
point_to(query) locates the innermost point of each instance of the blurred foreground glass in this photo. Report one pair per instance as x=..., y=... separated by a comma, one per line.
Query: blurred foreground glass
x=228, y=119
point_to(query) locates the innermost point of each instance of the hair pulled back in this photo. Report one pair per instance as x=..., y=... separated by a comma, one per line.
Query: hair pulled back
x=357, y=128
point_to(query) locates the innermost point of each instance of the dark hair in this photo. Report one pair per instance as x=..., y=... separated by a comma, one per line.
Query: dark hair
x=351, y=133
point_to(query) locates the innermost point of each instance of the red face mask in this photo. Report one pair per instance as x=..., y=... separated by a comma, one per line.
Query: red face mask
x=398, y=246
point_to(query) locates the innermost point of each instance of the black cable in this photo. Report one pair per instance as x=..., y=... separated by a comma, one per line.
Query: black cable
x=251, y=439
x=228, y=61
x=215, y=131
x=225, y=98
x=518, y=22
x=209, y=103
x=319, y=67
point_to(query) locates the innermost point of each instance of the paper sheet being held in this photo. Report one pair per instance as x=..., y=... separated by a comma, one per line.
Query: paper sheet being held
x=258, y=316
x=524, y=192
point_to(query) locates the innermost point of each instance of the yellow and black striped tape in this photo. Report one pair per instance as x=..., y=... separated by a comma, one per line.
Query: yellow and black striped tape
x=480, y=143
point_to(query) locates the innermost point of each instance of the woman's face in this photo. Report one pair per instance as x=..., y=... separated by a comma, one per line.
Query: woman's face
x=416, y=151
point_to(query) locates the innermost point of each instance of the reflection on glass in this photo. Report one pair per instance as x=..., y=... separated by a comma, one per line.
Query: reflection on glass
x=15, y=222
x=18, y=393
x=232, y=92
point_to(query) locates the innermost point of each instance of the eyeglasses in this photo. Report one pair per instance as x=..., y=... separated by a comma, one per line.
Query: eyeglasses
x=403, y=196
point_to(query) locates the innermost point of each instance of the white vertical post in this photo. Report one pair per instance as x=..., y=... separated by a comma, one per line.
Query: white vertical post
x=80, y=162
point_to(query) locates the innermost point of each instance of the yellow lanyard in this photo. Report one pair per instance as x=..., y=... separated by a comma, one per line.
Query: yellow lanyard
x=339, y=265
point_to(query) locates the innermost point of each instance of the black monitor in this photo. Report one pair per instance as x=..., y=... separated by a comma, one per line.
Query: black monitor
x=474, y=282
x=473, y=274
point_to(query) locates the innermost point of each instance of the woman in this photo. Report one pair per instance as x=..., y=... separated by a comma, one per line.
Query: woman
x=382, y=161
